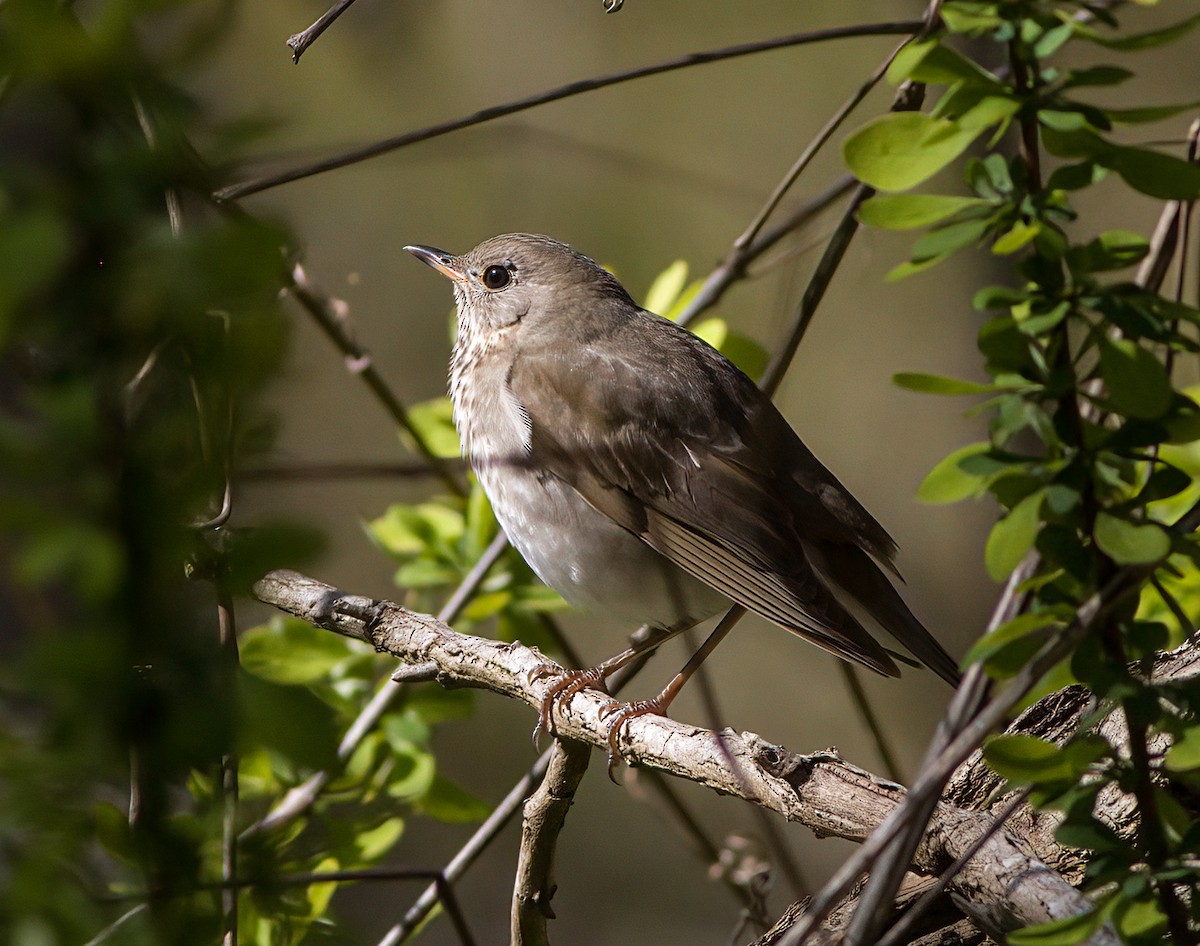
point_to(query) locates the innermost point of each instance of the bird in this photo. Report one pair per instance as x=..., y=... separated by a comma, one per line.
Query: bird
x=643, y=475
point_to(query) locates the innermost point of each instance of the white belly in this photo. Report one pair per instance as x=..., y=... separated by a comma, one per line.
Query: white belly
x=573, y=548
x=587, y=558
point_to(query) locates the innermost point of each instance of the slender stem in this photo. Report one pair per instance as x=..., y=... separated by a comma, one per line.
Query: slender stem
x=327, y=314
x=301, y=41
x=813, y=147
x=870, y=719
x=258, y=184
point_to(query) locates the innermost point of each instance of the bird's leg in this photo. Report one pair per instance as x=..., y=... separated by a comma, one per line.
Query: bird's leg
x=618, y=716
x=595, y=677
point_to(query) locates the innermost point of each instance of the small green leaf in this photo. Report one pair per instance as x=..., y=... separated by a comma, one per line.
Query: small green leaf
x=1184, y=754
x=1136, y=382
x=408, y=530
x=946, y=239
x=1013, y=536
x=1140, y=921
x=742, y=350
x=665, y=289
x=1151, y=113
x=929, y=61
x=1130, y=543
x=910, y=211
x=1022, y=758
x=913, y=267
x=1156, y=174
x=953, y=478
x=434, y=422
x=375, y=842
x=1135, y=41
x=900, y=150
x=445, y=801
x=1017, y=236
x=1064, y=932
x=1097, y=75
x=1019, y=627
x=289, y=651
x=937, y=384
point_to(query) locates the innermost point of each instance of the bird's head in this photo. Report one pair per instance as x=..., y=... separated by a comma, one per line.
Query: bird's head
x=523, y=277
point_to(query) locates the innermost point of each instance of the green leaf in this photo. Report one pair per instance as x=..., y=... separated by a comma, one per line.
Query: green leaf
x=1151, y=113
x=1017, y=236
x=972, y=19
x=912, y=267
x=898, y=151
x=1114, y=249
x=289, y=651
x=445, y=801
x=1013, y=536
x=1022, y=758
x=1140, y=921
x=930, y=61
x=946, y=239
x=955, y=477
x=1156, y=174
x=435, y=704
x=742, y=350
x=1019, y=627
x=1184, y=754
x=937, y=384
x=374, y=843
x=665, y=289
x=910, y=211
x=1130, y=543
x=408, y=530
x=1136, y=382
x=1064, y=932
x=1097, y=75
x=434, y=421
x=1136, y=41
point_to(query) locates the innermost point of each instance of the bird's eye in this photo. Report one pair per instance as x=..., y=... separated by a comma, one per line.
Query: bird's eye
x=496, y=277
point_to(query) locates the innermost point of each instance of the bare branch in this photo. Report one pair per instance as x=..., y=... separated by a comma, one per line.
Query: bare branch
x=300, y=799
x=255, y=185
x=545, y=814
x=330, y=314
x=301, y=41
x=819, y=790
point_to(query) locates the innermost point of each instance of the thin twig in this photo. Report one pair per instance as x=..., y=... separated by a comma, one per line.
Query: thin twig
x=116, y=924
x=545, y=813
x=909, y=98
x=902, y=929
x=870, y=719
x=330, y=316
x=304, y=472
x=228, y=642
x=736, y=263
x=258, y=184
x=301, y=41
x=810, y=151
x=476, y=845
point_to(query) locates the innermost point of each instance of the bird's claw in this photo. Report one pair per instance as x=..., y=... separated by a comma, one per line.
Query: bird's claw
x=561, y=692
x=619, y=715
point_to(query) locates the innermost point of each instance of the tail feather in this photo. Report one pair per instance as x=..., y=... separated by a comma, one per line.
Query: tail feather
x=856, y=572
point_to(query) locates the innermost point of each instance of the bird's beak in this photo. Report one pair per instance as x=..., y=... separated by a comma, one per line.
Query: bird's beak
x=445, y=263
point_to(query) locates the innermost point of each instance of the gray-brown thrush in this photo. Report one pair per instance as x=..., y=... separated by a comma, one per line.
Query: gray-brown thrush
x=643, y=475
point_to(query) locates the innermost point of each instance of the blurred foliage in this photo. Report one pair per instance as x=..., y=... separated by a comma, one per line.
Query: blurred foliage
x=1091, y=448
x=131, y=354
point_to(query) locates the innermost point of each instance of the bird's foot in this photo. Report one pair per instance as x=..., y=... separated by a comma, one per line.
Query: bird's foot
x=561, y=692
x=617, y=716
